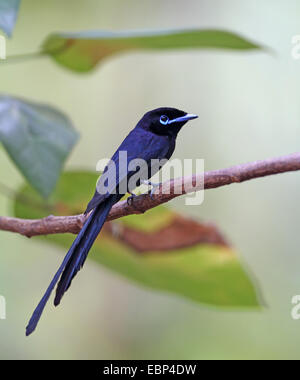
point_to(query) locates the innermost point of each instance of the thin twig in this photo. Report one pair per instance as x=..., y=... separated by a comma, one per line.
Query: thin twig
x=212, y=179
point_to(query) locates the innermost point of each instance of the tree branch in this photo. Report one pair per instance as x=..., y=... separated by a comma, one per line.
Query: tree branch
x=179, y=186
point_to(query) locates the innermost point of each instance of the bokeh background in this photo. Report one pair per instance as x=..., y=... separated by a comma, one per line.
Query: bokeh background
x=248, y=103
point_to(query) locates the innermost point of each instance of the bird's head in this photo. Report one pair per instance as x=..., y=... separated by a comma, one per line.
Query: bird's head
x=165, y=121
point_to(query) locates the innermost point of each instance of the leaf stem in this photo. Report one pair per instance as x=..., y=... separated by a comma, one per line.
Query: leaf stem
x=17, y=58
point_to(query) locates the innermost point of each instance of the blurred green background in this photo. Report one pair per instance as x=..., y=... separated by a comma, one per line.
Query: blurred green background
x=248, y=107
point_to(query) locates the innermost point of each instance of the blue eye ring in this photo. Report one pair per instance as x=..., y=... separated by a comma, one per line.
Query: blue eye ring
x=164, y=120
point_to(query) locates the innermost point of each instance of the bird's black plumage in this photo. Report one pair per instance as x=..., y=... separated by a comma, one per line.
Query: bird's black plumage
x=154, y=137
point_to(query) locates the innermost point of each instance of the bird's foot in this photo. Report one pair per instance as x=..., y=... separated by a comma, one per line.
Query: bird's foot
x=130, y=202
x=130, y=199
x=155, y=186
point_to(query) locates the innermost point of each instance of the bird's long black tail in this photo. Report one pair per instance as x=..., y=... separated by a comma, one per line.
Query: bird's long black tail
x=74, y=259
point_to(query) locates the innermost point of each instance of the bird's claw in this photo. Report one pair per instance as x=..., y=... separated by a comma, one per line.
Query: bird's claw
x=130, y=199
x=155, y=186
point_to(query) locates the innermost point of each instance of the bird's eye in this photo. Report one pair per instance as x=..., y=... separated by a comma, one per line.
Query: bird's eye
x=164, y=120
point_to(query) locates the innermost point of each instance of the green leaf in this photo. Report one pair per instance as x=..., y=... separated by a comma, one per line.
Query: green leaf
x=38, y=138
x=206, y=273
x=83, y=51
x=8, y=15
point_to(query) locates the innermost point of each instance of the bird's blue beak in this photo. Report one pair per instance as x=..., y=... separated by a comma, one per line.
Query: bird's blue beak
x=187, y=117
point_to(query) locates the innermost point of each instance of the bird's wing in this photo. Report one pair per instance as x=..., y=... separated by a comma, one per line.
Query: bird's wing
x=139, y=144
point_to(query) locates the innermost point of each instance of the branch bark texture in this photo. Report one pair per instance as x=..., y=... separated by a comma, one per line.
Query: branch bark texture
x=179, y=186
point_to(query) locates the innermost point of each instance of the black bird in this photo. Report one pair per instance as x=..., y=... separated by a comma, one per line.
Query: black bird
x=154, y=137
